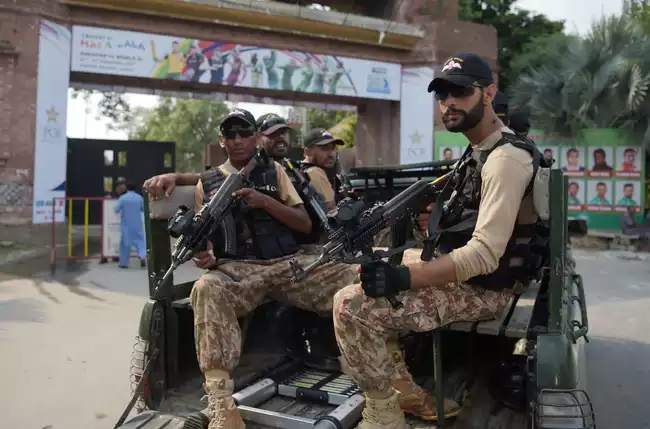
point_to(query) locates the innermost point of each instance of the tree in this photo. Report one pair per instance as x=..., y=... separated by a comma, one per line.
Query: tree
x=191, y=124
x=639, y=10
x=515, y=29
x=341, y=123
x=601, y=82
x=542, y=51
x=112, y=105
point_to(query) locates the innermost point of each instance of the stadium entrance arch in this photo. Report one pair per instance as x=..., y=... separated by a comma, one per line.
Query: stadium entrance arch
x=262, y=51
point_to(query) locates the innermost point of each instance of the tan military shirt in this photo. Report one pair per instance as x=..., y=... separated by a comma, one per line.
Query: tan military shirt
x=318, y=178
x=286, y=191
x=505, y=176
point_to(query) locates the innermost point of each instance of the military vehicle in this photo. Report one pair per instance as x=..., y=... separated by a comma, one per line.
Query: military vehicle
x=523, y=370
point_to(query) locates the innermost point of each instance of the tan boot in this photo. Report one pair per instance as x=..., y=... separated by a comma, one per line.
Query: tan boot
x=413, y=399
x=223, y=411
x=383, y=414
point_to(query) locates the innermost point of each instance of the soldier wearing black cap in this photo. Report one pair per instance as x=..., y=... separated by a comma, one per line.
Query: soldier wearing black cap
x=488, y=243
x=500, y=106
x=320, y=158
x=519, y=122
x=234, y=285
x=275, y=135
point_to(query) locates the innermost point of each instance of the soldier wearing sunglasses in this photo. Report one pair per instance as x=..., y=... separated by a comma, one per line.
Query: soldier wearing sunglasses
x=235, y=285
x=489, y=242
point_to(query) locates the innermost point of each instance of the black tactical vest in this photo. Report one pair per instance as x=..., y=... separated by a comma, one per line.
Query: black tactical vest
x=527, y=249
x=258, y=234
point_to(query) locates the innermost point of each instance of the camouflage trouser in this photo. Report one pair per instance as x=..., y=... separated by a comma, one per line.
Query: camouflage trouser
x=363, y=324
x=236, y=288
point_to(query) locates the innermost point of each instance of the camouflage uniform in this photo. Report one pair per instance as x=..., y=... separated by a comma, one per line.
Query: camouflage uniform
x=363, y=325
x=235, y=288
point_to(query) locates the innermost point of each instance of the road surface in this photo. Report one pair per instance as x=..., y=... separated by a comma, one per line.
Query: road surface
x=65, y=346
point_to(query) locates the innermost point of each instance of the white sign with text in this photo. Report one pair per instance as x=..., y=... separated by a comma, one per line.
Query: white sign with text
x=416, y=116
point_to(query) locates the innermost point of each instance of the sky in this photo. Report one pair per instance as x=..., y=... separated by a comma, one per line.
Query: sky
x=577, y=14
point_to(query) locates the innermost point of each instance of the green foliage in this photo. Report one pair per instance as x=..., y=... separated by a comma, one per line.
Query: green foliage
x=341, y=123
x=602, y=81
x=639, y=10
x=112, y=105
x=541, y=52
x=191, y=124
x=515, y=30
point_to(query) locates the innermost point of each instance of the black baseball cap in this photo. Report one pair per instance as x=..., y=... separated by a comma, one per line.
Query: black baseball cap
x=320, y=137
x=463, y=69
x=500, y=104
x=241, y=115
x=269, y=123
x=519, y=121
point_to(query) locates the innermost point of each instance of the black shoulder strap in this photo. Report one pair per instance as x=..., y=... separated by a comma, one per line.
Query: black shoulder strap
x=521, y=142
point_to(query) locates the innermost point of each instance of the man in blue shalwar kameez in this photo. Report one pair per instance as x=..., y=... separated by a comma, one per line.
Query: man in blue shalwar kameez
x=130, y=206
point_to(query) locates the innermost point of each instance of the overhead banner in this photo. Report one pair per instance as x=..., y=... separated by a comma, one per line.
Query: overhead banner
x=50, y=150
x=416, y=116
x=134, y=54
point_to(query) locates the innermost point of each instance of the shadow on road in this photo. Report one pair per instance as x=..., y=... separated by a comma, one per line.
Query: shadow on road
x=22, y=310
x=618, y=376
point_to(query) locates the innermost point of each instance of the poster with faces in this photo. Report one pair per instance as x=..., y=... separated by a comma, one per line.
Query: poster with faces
x=628, y=161
x=572, y=161
x=449, y=153
x=627, y=194
x=599, y=195
x=601, y=160
x=576, y=195
x=552, y=152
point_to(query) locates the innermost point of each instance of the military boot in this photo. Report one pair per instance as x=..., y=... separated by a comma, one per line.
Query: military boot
x=222, y=409
x=413, y=399
x=383, y=414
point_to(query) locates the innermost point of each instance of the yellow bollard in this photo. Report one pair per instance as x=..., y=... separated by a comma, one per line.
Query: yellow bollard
x=69, y=228
x=86, y=230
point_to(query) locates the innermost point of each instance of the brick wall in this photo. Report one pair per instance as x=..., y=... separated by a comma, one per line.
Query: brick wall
x=19, y=24
x=19, y=32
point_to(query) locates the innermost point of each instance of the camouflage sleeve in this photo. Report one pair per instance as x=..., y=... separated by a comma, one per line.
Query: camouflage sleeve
x=286, y=191
x=505, y=176
x=318, y=178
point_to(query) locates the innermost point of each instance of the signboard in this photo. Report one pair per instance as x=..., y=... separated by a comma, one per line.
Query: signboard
x=111, y=229
x=51, y=144
x=605, y=172
x=416, y=116
x=605, y=175
x=134, y=54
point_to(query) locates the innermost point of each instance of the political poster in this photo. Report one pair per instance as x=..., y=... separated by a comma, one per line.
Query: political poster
x=627, y=194
x=628, y=161
x=600, y=160
x=576, y=198
x=135, y=54
x=599, y=195
x=51, y=141
x=572, y=161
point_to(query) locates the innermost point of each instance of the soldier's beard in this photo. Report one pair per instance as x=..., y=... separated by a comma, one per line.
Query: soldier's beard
x=467, y=120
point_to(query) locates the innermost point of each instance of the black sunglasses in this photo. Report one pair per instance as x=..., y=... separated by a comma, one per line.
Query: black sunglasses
x=232, y=133
x=456, y=91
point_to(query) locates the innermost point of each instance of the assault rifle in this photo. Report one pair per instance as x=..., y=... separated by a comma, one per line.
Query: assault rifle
x=192, y=230
x=354, y=230
x=309, y=193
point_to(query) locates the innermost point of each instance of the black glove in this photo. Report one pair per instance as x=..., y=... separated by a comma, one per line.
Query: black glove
x=382, y=279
